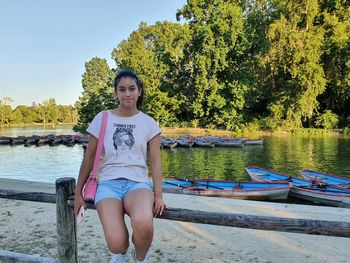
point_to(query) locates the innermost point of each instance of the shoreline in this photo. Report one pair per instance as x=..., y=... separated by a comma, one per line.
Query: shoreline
x=176, y=131
x=8, y=126
x=30, y=227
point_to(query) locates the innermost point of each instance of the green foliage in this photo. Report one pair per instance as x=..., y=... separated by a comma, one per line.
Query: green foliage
x=346, y=130
x=98, y=94
x=252, y=126
x=25, y=114
x=311, y=131
x=327, y=120
x=153, y=52
x=210, y=62
x=195, y=123
x=97, y=75
x=336, y=57
x=237, y=65
x=6, y=115
x=47, y=112
x=293, y=61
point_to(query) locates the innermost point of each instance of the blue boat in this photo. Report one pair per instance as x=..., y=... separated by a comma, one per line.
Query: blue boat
x=167, y=143
x=319, y=177
x=303, y=189
x=185, y=142
x=230, y=143
x=204, y=143
x=228, y=189
x=254, y=142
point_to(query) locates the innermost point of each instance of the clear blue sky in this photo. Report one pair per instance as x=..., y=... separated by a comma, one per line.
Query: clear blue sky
x=45, y=44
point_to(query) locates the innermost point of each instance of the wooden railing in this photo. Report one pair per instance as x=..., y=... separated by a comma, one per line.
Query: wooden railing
x=66, y=223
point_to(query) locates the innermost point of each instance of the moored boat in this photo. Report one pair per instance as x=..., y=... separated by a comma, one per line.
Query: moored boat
x=81, y=139
x=68, y=140
x=5, y=140
x=168, y=143
x=303, y=189
x=56, y=140
x=319, y=177
x=31, y=140
x=184, y=142
x=17, y=140
x=230, y=143
x=254, y=142
x=44, y=140
x=204, y=143
x=228, y=189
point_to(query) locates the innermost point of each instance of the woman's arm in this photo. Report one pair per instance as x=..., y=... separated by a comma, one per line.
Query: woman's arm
x=84, y=172
x=155, y=162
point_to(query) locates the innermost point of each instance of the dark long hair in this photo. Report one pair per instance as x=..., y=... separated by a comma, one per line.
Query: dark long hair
x=130, y=74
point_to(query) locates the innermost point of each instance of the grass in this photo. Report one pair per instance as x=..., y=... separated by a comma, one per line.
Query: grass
x=175, y=132
x=25, y=125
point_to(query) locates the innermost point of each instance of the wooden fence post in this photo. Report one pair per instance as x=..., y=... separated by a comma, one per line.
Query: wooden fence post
x=66, y=223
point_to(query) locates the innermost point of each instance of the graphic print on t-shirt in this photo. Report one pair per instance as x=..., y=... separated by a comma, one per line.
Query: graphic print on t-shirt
x=123, y=139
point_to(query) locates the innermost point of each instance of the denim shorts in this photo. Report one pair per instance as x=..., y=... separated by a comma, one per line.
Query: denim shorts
x=118, y=189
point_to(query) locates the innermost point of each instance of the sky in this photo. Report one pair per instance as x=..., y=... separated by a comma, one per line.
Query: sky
x=44, y=44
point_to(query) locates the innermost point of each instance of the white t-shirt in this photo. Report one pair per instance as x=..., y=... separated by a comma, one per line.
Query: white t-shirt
x=125, y=145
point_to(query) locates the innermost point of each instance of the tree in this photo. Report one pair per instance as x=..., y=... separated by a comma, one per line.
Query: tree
x=153, y=52
x=278, y=63
x=211, y=62
x=24, y=114
x=293, y=62
x=336, y=58
x=327, y=120
x=67, y=114
x=17, y=115
x=47, y=111
x=5, y=110
x=97, y=92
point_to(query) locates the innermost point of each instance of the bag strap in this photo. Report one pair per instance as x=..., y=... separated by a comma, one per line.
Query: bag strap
x=100, y=144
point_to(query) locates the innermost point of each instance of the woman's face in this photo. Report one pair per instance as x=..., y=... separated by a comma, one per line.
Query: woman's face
x=127, y=93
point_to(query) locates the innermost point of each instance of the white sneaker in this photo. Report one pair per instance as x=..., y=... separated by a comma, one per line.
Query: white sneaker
x=118, y=258
x=133, y=254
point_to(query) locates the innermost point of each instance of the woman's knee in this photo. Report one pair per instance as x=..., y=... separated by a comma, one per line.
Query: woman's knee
x=117, y=245
x=143, y=225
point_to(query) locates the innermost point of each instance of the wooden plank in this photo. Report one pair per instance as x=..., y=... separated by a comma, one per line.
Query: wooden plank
x=28, y=196
x=304, y=226
x=283, y=224
x=66, y=223
x=9, y=256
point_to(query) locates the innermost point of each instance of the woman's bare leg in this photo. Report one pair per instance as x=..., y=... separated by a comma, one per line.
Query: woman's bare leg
x=138, y=205
x=111, y=213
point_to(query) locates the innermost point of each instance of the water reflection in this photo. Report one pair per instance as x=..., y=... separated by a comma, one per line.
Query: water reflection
x=40, y=130
x=288, y=154
x=40, y=164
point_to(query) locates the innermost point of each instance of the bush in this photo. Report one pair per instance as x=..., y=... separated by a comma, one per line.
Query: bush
x=81, y=128
x=195, y=123
x=327, y=120
x=253, y=126
x=346, y=130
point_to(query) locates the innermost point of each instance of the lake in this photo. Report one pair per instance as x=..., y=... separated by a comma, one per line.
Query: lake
x=283, y=153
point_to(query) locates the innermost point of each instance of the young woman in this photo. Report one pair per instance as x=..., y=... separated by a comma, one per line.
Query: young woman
x=123, y=179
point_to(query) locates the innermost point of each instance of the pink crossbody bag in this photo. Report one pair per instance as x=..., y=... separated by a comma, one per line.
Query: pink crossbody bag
x=90, y=187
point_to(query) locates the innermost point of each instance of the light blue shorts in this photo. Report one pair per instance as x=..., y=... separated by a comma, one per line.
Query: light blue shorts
x=118, y=189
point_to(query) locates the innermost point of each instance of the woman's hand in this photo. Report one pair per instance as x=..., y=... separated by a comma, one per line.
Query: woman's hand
x=159, y=206
x=78, y=202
